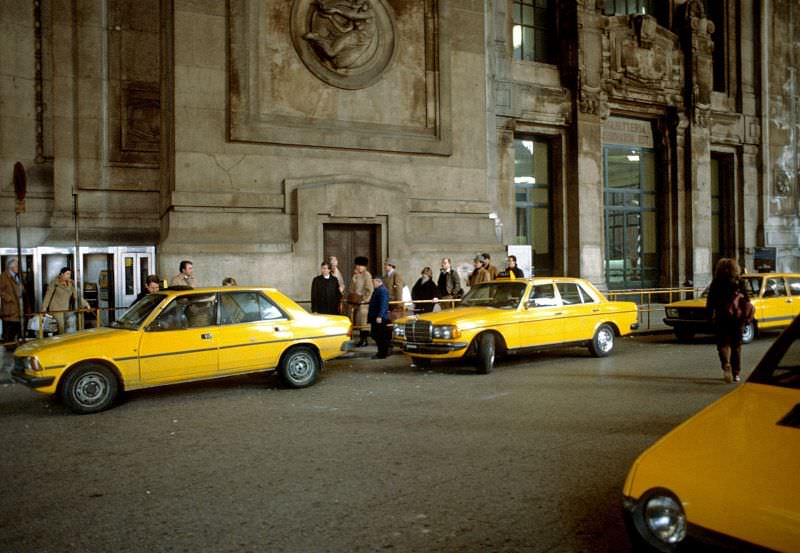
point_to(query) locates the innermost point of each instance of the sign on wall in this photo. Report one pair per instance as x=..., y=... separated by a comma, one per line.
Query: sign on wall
x=628, y=132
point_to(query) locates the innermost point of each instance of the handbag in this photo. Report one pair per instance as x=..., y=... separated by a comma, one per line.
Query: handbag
x=47, y=322
x=353, y=298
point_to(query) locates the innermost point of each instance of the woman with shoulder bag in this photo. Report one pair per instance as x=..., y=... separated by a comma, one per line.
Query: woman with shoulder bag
x=62, y=296
x=729, y=307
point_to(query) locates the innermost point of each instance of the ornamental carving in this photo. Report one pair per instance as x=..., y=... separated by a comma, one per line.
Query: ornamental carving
x=348, y=44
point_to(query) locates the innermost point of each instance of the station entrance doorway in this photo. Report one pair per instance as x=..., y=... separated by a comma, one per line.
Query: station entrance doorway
x=347, y=241
x=109, y=277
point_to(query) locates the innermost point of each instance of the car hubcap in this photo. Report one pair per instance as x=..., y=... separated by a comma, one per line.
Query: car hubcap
x=605, y=340
x=301, y=366
x=90, y=389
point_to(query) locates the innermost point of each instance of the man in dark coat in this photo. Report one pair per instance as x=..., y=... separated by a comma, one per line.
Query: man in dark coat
x=378, y=317
x=325, y=292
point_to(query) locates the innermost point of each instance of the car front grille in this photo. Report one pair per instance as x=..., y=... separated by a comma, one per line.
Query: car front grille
x=419, y=331
x=693, y=314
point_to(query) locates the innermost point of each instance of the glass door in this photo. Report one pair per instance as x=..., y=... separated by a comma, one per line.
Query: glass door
x=132, y=270
x=632, y=255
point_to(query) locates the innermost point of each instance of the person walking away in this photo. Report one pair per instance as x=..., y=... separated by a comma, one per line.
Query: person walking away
x=186, y=275
x=358, y=296
x=512, y=271
x=729, y=307
x=378, y=317
x=394, y=284
x=325, y=294
x=62, y=296
x=491, y=269
x=12, y=291
x=152, y=284
x=479, y=274
x=229, y=281
x=424, y=290
x=449, y=283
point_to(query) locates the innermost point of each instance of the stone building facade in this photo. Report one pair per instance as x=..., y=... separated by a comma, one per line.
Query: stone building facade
x=629, y=145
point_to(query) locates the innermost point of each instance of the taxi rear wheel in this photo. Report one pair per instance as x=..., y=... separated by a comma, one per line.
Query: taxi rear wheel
x=299, y=367
x=89, y=389
x=486, y=353
x=603, y=341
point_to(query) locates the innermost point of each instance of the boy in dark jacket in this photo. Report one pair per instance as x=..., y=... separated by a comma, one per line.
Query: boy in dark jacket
x=378, y=317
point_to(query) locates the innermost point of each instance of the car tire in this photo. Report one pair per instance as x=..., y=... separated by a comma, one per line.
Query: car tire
x=299, y=367
x=487, y=351
x=749, y=332
x=684, y=335
x=602, y=342
x=89, y=388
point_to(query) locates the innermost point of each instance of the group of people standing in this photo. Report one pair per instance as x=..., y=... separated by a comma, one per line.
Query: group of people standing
x=375, y=301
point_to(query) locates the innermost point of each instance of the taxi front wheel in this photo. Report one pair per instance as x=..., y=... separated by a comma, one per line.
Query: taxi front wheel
x=299, y=367
x=89, y=389
x=603, y=341
x=486, y=353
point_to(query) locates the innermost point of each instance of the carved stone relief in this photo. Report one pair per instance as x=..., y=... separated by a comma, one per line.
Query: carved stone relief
x=346, y=43
x=641, y=60
x=141, y=117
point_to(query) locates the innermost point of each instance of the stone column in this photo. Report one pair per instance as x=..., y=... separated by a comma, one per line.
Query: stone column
x=698, y=46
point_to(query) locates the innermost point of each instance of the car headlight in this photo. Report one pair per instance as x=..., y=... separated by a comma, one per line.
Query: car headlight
x=445, y=332
x=665, y=518
x=399, y=331
x=672, y=313
x=32, y=363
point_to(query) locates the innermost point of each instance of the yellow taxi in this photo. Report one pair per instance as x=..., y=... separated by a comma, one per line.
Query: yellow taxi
x=729, y=477
x=180, y=336
x=510, y=316
x=775, y=296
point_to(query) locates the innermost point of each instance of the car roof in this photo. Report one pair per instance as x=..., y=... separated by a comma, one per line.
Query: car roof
x=213, y=289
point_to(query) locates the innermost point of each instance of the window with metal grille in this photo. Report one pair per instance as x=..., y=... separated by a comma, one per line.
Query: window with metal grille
x=533, y=33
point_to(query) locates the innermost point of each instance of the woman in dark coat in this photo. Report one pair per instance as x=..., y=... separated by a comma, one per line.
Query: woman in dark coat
x=424, y=289
x=727, y=327
x=325, y=292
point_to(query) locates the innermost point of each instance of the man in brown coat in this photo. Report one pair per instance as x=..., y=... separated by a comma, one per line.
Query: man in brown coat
x=394, y=284
x=358, y=294
x=11, y=293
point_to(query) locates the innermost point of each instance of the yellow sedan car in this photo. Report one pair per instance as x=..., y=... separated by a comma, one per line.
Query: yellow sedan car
x=729, y=477
x=776, y=297
x=510, y=316
x=181, y=336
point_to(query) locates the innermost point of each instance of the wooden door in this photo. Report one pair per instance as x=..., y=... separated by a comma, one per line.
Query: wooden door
x=347, y=242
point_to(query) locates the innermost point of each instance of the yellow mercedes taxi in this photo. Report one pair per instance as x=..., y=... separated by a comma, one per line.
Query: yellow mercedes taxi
x=511, y=316
x=729, y=477
x=180, y=336
x=776, y=297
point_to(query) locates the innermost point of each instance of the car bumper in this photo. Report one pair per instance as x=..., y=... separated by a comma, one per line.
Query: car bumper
x=445, y=349
x=693, y=325
x=20, y=376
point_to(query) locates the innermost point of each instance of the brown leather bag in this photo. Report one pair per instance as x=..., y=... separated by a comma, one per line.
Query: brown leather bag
x=353, y=298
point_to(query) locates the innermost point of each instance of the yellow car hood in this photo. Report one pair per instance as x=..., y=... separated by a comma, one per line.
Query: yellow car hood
x=699, y=302
x=733, y=467
x=463, y=315
x=75, y=339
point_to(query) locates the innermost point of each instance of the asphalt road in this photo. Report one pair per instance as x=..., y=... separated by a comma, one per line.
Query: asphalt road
x=376, y=456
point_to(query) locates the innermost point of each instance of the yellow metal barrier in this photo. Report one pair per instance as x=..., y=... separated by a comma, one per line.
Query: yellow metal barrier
x=650, y=301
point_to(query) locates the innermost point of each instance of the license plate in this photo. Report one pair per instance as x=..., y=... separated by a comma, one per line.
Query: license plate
x=411, y=346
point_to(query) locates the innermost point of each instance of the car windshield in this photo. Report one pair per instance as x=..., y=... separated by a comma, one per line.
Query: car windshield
x=781, y=364
x=505, y=295
x=751, y=284
x=138, y=312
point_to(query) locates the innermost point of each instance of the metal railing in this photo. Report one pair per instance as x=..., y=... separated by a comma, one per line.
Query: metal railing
x=650, y=301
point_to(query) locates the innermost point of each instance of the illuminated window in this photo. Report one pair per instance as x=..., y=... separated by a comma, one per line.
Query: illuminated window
x=532, y=194
x=533, y=33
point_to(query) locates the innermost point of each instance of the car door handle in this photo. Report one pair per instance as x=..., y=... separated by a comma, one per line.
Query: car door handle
x=206, y=336
x=595, y=311
x=559, y=313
